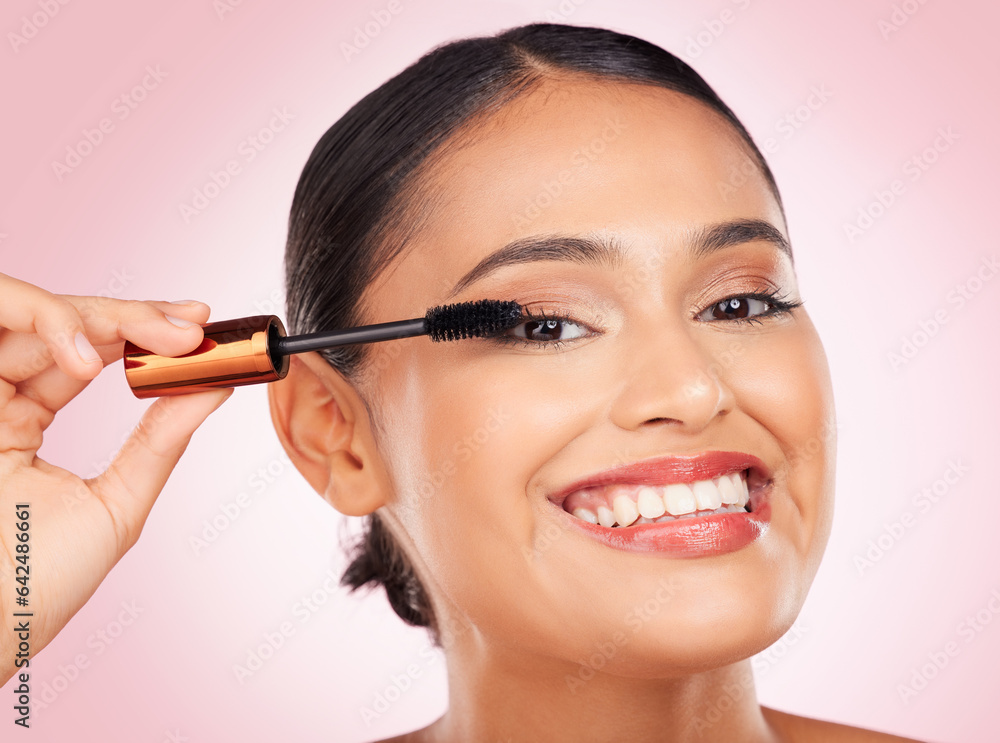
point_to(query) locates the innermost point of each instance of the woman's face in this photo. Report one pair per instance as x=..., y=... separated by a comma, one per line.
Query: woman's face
x=656, y=352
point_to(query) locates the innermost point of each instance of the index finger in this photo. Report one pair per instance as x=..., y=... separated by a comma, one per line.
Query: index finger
x=165, y=328
x=27, y=308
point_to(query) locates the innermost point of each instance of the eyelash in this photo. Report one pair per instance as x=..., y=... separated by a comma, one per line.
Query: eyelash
x=528, y=316
x=778, y=305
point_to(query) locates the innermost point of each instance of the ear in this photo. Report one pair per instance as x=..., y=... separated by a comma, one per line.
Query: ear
x=324, y=426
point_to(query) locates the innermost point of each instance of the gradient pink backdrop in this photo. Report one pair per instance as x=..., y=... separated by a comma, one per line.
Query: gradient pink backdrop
x=113, y=225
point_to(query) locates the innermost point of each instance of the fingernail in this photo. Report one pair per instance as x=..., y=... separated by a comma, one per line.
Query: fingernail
x=179, y=322
x=86, y=351
x=186, y=302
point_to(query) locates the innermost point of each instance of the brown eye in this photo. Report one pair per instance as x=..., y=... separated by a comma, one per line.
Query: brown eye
x=736, y=308
x=547, y=329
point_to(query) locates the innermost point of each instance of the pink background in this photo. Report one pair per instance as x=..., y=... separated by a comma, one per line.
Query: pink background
x=114, y=225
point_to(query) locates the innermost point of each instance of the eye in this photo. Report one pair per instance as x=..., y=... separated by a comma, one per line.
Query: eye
x=747, y=308
x=542, y=330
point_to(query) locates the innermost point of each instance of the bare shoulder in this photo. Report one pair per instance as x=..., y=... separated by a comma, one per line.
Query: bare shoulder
x=794, y=728
x=423, y=735
x=791, y=728
x=406, y=738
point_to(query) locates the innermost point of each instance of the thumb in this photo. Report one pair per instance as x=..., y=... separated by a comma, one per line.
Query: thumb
x=130, y=485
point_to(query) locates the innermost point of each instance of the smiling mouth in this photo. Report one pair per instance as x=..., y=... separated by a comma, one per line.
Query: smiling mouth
x=621, y=505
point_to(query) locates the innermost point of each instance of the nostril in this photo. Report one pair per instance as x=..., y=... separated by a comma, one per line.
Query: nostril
x=663, y=420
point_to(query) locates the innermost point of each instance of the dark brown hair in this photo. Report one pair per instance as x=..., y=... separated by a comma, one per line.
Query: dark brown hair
x=350, y=215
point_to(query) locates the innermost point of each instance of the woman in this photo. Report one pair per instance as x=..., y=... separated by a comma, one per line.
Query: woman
x=600, y=515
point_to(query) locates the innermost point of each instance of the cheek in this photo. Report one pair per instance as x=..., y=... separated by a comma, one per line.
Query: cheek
x=468, y=435
x=782, y=382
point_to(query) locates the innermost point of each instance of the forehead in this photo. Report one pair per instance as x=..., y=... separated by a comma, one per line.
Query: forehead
x=577, y=156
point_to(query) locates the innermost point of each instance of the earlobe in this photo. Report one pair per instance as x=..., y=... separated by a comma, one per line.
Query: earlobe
x=323, y=425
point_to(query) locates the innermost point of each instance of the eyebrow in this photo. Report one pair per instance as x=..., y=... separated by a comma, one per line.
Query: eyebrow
x=602, y=253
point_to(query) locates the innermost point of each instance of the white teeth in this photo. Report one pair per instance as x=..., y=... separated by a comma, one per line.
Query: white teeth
x=708, y=496
x=679, y=499
x=586, y=514
x=625, y=510
x=742, y=489
x=650, y=503
x=730, y=493
x=655, y=504
x=605, y=517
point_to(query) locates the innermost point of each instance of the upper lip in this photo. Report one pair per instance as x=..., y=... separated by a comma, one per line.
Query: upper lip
x=671, y=469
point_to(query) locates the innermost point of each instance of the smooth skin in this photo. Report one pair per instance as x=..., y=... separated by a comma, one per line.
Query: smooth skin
x=456, y=445
x=79, y=528
x=548, y=634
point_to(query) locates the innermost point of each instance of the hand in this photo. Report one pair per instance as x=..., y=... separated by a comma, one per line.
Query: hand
x=51, y=347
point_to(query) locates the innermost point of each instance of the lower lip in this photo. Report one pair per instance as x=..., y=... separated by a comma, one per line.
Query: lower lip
x=691, y=537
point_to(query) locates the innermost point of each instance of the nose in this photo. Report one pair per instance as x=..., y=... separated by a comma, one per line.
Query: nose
x=672, y=379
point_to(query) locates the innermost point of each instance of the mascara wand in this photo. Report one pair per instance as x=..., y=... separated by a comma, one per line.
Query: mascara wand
x=252, y=350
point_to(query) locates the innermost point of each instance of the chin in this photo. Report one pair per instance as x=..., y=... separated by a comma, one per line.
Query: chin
x=646, y=616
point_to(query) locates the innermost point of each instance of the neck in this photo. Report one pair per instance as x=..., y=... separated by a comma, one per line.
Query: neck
x=496, y=696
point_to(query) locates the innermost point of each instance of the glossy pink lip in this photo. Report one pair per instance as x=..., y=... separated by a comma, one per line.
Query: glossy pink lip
x=688, y=537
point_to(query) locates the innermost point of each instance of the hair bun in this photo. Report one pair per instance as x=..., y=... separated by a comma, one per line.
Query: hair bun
x=379, y=560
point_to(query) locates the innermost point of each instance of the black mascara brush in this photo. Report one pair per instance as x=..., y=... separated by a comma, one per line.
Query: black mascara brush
x=252, y=350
